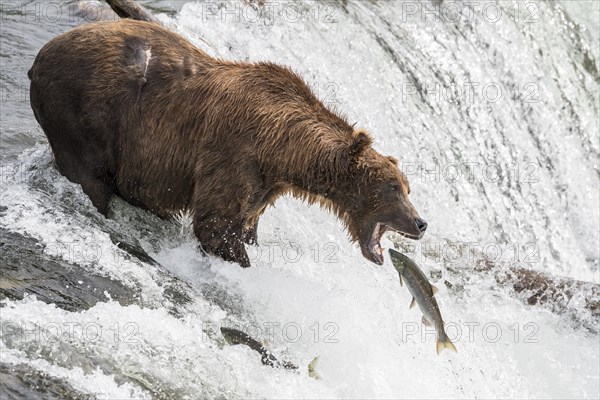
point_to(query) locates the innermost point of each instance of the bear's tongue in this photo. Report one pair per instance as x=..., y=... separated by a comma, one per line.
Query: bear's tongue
x=374, y=245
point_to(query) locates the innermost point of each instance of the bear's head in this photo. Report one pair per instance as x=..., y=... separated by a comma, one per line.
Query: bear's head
x=378, y=199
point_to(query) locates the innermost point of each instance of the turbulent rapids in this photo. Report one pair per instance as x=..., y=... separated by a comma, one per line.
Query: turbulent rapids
x=491, y=109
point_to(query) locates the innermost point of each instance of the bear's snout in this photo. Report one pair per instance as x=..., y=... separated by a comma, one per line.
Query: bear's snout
x=421, y=224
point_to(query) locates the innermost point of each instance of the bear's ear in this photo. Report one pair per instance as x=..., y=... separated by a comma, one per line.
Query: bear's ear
x=360, y=141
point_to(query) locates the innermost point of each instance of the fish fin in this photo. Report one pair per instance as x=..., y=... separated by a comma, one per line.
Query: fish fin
x=312, y=367
x=401, y=283
x=425, y=321
x=446, y=344
x=434, y=290
x=412, y=303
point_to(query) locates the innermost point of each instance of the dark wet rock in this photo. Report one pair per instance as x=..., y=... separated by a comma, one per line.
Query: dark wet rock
x=26, y=269
x=129, y=9
x=23, y=382
x=132, y=249
x=579, y=300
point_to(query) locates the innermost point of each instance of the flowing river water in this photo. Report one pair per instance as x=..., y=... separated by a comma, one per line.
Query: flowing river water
x=492, y=107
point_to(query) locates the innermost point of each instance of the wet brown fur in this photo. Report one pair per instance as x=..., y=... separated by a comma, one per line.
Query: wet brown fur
x=184, y=130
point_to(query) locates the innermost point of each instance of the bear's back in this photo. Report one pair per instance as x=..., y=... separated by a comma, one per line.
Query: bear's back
x=111, y=58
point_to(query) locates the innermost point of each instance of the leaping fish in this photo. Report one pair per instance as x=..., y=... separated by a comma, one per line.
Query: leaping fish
x=234, y=336
x=423, y=294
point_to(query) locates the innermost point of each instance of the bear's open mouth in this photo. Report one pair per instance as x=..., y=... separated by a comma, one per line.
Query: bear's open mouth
x=375, y=248
x=374, y=245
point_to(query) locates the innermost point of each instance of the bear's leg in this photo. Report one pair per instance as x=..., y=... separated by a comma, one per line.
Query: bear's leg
x=81, y=146
x=258, y=203
x=226, y=212
x=250, y=234
x=221, y=236
x=98, y=192
x=90, y=172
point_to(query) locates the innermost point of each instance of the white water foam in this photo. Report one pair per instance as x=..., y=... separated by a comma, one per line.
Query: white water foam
x=306, y=277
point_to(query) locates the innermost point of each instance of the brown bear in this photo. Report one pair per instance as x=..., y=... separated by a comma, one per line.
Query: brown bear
x=133, y=109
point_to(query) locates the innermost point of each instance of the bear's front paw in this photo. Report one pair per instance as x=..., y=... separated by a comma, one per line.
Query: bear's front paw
x=229, y=249
x=236, y=252
x=249, y=236
x=221, y=237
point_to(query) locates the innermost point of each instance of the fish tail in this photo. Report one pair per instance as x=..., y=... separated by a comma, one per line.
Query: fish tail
x=444, y=343
x=312, y=366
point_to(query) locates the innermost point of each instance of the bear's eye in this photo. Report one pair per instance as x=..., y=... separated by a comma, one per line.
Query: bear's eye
x=390, y=191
